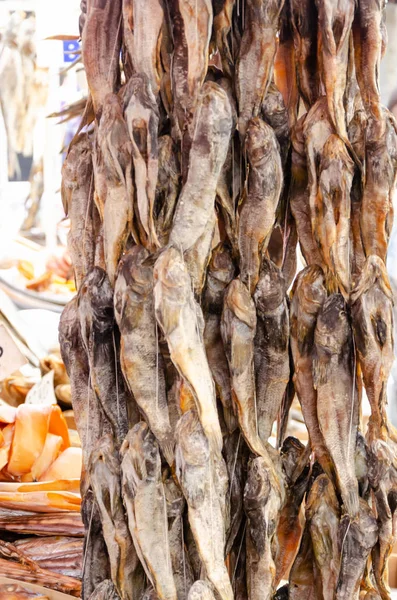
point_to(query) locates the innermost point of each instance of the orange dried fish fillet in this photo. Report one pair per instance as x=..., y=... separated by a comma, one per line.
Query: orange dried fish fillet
x=66, y=466
x=31, y=428
x=41, y=502
x=51, y=450
x=8, y=434
x=58, y=426
x=60, y=485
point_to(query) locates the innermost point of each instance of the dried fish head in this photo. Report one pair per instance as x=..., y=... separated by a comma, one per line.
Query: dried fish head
x=270, y=289
x=310, y=287
x=260, y=142
x=333, y=330
x=291, y=451
x=258, y=486
x=141, y=444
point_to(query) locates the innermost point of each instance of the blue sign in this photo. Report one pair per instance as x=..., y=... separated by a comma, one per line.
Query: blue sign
x=69, y=47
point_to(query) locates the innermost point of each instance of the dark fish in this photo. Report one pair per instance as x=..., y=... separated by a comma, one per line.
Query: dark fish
x=304, y=20
x=272, y=367
x=95, y=304
x=261, y=198
x=372, y=312
x=334, y=378
x=258, y=48
x=140, y=357
x=167, y=188
x=220, y=273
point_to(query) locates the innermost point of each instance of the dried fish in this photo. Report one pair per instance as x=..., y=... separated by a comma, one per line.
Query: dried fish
x=62, y=555
x=105, y=591
x=254, y=68
x=140, y=358
x=191, y=24
x=181, y=322
x=322, y=515
x=372, y=312
x=331, y=218
x=236, y=457
x=220, y=273
x=308, y=297
x=181, y=567
x=262, y=193
x=376, y=219
x=272, y=369
x=274, y=112
x=96, y=563
x=358, y=538
x=142, y=27
x=144, y=498
x=302, y=579
x=101, y=43
x=195, y=472
x=142, y=118
x=262, y=505
x=95, y=304
x=212, y=131
x=198, y=256
x=284, y=66
x=223, y=11
x=167, y=189
x=304, y=19
x=106, y=485
x=334, y=378
x=238, y=328
x=113, y=181
x=368, y=34
x=335, y=21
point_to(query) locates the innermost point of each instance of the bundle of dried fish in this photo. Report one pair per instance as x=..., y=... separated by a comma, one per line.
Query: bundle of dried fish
x=195, y=186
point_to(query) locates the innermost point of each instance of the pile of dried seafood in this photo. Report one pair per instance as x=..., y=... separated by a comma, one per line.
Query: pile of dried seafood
x=188, y=198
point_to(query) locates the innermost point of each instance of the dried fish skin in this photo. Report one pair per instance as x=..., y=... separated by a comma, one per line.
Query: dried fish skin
x=144, y=499
x=331, y=218
x=191, y=25
x=212, y=130
x=181, y=322
x=77, y=198
x=236, y=457
x=96, y=564
x=95, y=304
x=113, y=171
x=142, y=29
x=220, y=273
x=368, y=40
x=262, y=504
x=272, y=367
x=262, y=194
x=357, y=537
x=372, y=314
x=304, y=19
x=167, y=188
x=335, y=20
x=238, y=328
x=337, y=397
x=140, y=357
x=308, y=297
x=195, y=473
x=101, y=43
x=380, y=181
x=142, y=118
x=254, y=68
x=106, y=485
x=323, y=516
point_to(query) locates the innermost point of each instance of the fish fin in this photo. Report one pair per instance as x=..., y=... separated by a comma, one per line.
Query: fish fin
x=167, y=448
